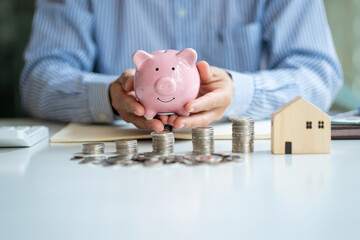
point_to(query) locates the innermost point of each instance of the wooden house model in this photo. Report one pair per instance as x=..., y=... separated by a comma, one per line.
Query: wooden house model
x=300, y=127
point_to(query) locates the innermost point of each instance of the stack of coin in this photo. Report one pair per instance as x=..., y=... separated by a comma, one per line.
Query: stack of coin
x=93, y=148
x=242, y=134
x=203, y=140
x=163, y=142
x=126, y=147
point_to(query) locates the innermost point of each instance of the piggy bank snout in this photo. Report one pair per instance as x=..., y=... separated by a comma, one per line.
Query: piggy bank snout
x=165, y=86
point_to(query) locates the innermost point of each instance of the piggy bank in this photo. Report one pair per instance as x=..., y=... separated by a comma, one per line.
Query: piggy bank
x=165, y=81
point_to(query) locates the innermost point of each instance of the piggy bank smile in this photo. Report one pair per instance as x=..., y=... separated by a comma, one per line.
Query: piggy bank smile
x=165, y=101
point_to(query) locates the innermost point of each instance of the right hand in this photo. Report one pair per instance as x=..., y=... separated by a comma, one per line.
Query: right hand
x=123, y=100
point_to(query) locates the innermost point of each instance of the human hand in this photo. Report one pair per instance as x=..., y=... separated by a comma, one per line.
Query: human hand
x=215, y=95
x=123, y=100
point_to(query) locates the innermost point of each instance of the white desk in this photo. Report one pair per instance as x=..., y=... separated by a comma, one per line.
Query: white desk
x=44, y=195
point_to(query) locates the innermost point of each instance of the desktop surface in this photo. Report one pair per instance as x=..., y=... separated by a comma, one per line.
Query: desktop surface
x=45, y=195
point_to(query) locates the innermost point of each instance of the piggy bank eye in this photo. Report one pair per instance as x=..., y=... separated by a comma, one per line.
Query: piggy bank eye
x=156, y=69
x=173, y=68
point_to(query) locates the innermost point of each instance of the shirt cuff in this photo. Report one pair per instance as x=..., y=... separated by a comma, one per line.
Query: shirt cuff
x=98, y=97
x=244, y=88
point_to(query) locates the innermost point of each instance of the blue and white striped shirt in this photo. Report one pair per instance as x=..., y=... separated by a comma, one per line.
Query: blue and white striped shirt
x=275, y=50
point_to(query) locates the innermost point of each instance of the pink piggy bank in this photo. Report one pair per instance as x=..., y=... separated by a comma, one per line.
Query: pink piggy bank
x=166, y=80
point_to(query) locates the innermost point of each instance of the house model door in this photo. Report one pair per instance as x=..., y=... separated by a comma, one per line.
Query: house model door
x=288, y=147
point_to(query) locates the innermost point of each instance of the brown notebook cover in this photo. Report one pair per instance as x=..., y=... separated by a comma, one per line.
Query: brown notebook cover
x=346, y=131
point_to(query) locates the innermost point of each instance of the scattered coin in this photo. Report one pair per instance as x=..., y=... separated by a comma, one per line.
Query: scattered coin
x=163, y=149
x=77, y=158
x=95, y=160
x=152, y=160
x=128, y=162
x=232, y=158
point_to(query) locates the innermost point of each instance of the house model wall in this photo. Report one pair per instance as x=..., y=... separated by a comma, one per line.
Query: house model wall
x=300, y=127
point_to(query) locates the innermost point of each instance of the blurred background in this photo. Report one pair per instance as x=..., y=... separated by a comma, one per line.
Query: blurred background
x=15, y=28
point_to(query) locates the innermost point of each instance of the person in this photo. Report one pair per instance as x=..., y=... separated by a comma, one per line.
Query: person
x=254, y=56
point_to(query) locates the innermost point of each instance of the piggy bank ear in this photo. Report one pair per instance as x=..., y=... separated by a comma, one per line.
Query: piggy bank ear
x=140, y=57
x=189, y=55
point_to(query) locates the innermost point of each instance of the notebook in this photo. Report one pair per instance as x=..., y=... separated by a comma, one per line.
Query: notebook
x=346, y=125
x=76, y=132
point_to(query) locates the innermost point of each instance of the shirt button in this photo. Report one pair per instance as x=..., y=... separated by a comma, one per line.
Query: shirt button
x=182, y=13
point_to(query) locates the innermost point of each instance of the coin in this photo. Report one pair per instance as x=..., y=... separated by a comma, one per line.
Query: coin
x=163, y=142
x=152, y=160
x=93, y=148
x=242, y=134
x=94, y=159
x=232, y=158
x=126, y=146
x=128, y=162
x=203, y=140
x=77, y=158
x=168, y=127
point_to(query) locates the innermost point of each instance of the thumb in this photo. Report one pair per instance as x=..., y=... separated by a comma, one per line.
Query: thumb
x=204, y=71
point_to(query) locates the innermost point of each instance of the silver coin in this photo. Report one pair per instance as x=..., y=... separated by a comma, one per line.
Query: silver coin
x=77, y=158
x=95, y=160
x=167, y=159
x=189, y=162
x=93, y=148
x=168, y=127
x=163, y=142
x=118, y=158
x=126, y=146
x=128, y=163
x=232, y=158
x=140, y=157
x=209, y=159
x=242, y=134
x=203, y=140
x=152, y=162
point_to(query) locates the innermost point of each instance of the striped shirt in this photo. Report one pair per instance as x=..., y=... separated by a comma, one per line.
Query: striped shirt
x=274, y=50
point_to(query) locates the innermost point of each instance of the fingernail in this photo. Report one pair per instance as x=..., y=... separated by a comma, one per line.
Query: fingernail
x=182, y=126
x=192, y=109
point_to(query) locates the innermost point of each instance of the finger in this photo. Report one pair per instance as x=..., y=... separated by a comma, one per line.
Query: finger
x=172, y=119
x=196, y=120
x=127, y=79
x=128, y=73
x=123, y=102
x=204, y=71
x=142, y=123
x=206, y=102
x=127, y=83
x=163, y=118
x=130, y=105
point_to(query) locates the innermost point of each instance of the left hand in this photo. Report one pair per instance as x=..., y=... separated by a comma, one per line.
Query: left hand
x=215, y=95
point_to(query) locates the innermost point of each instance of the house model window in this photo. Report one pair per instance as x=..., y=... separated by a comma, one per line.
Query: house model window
x=308, y=125
x=321, y=124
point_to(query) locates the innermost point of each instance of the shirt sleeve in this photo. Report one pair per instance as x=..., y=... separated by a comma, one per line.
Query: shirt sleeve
x=301, y=61
x=57, y=81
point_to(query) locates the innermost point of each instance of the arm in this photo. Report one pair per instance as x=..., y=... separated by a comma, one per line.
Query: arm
x=302, y=61
x=57, y=82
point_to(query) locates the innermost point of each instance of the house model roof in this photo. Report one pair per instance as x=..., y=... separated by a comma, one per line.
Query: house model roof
x=292, y=102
